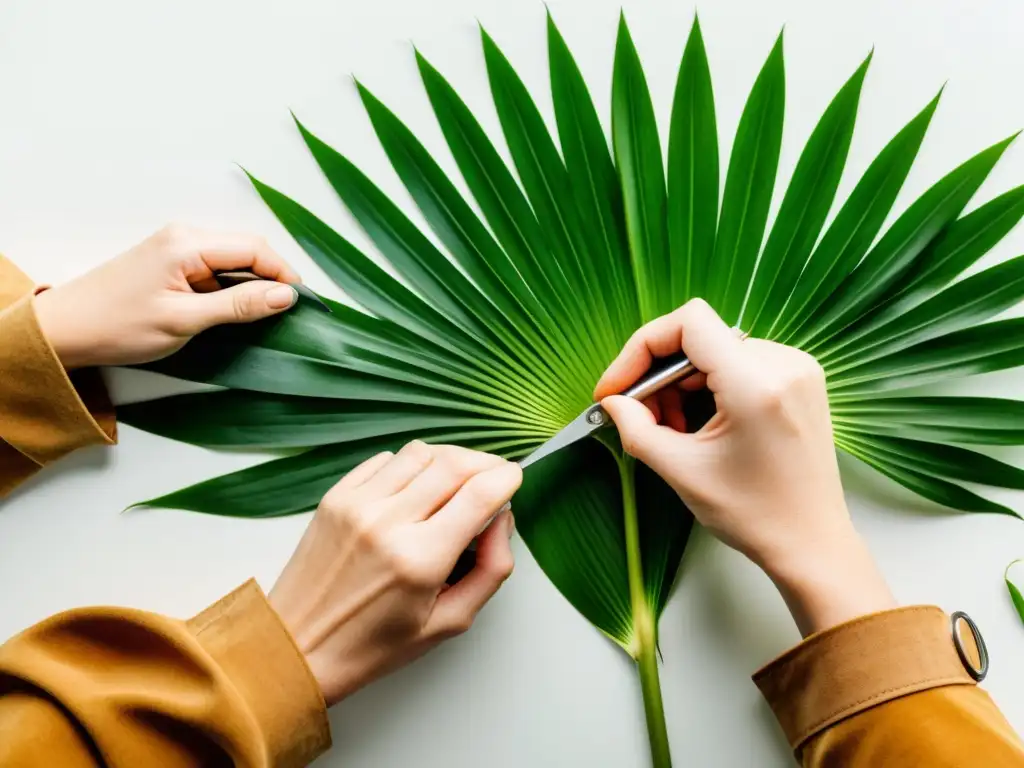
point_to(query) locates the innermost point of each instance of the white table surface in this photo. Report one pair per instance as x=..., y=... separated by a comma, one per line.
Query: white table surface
x=116, y=117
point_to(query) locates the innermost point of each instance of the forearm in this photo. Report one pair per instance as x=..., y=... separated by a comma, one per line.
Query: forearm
x=118, y=687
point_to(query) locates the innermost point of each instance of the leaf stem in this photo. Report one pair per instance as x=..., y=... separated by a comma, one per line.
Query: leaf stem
x=645, y=629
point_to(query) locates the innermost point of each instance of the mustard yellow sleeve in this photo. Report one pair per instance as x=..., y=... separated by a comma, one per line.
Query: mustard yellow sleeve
x=44, y=412
x=117, y=688
x=887, y=689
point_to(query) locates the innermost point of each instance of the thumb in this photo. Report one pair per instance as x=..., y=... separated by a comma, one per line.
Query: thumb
x=243, y=303
x=643, y=438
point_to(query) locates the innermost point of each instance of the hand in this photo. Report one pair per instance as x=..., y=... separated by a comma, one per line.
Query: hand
x=761, y=475
x=147, y=303
x=365, y=591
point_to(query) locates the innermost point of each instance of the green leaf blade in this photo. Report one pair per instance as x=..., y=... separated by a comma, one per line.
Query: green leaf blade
x=950, y=419
x=806, y=204
x=546, y=183
x=638, y=157
x=989, y=347
x=856, y=224
x=570, y=514
x=748, y=189
x=962, y=305
x=936, y=489
x=592, y=175
x=253, y=420
x=692, y=173
x=509, y=215
x=898, y=250
x=1015, y=594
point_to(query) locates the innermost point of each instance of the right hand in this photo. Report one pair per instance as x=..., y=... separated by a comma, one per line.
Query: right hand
x=761, y=474
x=366, y=592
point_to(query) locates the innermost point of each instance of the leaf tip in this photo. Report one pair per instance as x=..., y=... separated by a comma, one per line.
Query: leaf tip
x=486, y=39
x=1006, y=571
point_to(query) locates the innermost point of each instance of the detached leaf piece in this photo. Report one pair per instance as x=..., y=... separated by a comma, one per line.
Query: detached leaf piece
x=490, y=330
x=1015, y=593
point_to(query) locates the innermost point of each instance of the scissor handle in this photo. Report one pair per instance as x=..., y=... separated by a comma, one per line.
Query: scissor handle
x=668, y=370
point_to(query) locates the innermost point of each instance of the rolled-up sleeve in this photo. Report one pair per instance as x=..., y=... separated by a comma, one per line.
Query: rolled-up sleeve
x=116, y=687
x=887, y=689
x=45, y=413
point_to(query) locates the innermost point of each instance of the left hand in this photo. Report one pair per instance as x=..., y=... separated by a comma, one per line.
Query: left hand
x=147, y=303
x=365, y=592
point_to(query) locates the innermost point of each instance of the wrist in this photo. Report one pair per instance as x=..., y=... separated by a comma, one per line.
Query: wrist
x=830, y=581
x=60, y=331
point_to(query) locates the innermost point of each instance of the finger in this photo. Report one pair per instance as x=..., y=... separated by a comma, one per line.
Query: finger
x=694, y=328
x=671, y=399
x=243, y=303
x=694, y=383
x=409, y=462
x=206, y=285
x=654, y=406
x=365, y=471
x=457, y=606
x=221, y=251
x=471, y=507
x=359, y=475
x=657, y=446
x=434, y=487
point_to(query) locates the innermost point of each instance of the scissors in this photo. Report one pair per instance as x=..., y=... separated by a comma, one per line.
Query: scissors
x=232, y=278
x=670, y=370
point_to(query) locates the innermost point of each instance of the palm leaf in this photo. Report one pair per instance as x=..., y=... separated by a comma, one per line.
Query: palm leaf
x=494, y=336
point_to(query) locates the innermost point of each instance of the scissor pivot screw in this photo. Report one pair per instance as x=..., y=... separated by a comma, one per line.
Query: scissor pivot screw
x=596, y=417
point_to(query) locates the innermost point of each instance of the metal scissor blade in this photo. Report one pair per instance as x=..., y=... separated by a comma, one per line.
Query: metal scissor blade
x=588, y=422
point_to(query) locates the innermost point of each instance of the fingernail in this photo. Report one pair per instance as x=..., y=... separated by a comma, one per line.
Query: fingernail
x=511, y=523
x=281, y=297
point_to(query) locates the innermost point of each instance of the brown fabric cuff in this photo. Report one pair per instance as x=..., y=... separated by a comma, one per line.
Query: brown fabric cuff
x=849, y=668
x=13, y=283
x=247, y=638
x=47, y=413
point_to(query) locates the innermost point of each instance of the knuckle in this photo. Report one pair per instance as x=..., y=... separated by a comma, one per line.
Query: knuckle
x=418, y=451
x=337, y=506
x=413, y=572
x=480, y=491
x=463, y=462
x=692, y=310
x=811, y=370
x=771, y=394
x=173, y=235
x=697, y=305
x=459, y=624
x=502, y=567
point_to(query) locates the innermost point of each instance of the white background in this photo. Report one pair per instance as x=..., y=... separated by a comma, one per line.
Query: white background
x=116, y=117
